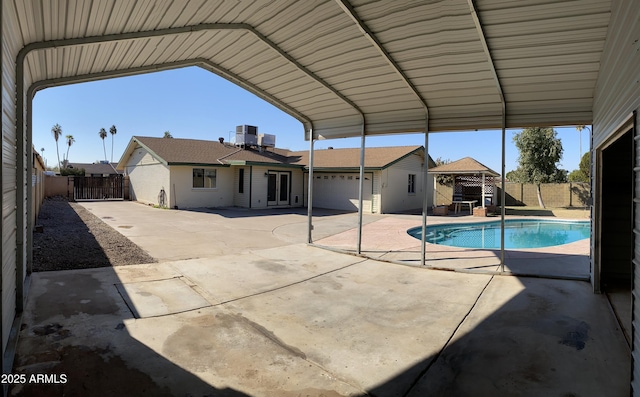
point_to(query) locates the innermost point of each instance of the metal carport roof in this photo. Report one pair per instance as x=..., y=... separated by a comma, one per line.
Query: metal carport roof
x=332, y=63
x=398, y=65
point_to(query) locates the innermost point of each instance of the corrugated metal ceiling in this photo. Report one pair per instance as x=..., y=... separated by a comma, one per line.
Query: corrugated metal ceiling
x=312, y=60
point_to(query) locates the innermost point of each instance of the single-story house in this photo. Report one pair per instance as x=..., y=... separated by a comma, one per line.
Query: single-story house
x=96, y=169
x=190, y=173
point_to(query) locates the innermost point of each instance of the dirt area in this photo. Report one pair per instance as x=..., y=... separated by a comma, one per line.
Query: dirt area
x=73, y=238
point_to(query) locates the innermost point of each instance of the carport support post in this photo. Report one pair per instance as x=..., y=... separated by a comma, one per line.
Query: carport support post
x=361, y=191
x=425, y=203
x=502, y=195
x=310, y=189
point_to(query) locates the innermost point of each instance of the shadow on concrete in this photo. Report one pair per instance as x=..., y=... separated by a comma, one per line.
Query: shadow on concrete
x=74, y=332
x=549, y=339
x=519, y=263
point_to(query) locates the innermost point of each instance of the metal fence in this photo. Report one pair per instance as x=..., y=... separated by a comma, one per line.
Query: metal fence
x=98, y=187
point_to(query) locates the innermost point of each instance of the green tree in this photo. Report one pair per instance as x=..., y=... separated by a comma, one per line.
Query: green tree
x=72, y=171
x=113, y=131
x=56, y=130
x=583, y=173
x=103, y=134
x=446, y=180
x=167, y=134
x=514, y=176
x=560, y=176
x=540, y=151
x=70, y=141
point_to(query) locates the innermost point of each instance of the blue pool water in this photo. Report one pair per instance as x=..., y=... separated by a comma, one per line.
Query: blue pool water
x=518, y=233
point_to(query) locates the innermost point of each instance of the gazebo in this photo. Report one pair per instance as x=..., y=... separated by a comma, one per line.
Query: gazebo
x=472, y=182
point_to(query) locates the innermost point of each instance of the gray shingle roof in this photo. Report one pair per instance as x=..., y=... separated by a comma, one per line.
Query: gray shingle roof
x=466, y=165
x=193, y=151
x=97, y=168
x=375, y=157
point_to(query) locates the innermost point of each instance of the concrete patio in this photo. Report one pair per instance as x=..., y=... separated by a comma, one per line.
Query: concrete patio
x=241, y=306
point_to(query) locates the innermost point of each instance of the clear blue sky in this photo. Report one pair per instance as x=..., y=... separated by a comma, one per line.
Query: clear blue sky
x=194, y=103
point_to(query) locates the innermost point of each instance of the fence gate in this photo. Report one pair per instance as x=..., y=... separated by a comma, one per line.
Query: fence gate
x=98, y=187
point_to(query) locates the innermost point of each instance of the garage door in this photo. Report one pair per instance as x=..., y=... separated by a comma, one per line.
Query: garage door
x=340, y=191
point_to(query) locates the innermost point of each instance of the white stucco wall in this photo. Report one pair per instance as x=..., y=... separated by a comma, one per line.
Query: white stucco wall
x=297, y=188
x=395, y=182
x=184, y=195
x=147, y=177
x=258, y=187
x=241, y=199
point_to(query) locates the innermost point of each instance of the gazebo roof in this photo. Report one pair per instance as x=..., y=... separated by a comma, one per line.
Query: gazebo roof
x=464, y=166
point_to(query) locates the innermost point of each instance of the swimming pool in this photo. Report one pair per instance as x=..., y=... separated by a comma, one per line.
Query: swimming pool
x=518, y=233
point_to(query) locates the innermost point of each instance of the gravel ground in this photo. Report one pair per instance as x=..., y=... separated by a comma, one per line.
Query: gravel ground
x=74, y=238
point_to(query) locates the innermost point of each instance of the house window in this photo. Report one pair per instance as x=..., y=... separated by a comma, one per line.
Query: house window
x=241, y=181
x=204, y=178
x=412, y=183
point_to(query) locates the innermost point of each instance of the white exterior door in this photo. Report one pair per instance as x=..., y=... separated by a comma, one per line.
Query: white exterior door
x=278, y=188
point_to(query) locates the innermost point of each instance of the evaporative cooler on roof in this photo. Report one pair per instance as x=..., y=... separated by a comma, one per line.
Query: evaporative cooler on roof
x=247, y=135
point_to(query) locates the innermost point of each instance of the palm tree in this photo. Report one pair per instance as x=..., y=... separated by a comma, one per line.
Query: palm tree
x=70, y=141
x=580, y=128
x=56, y=130
x=113, y=131
x=167, y=134
x=103, y=134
